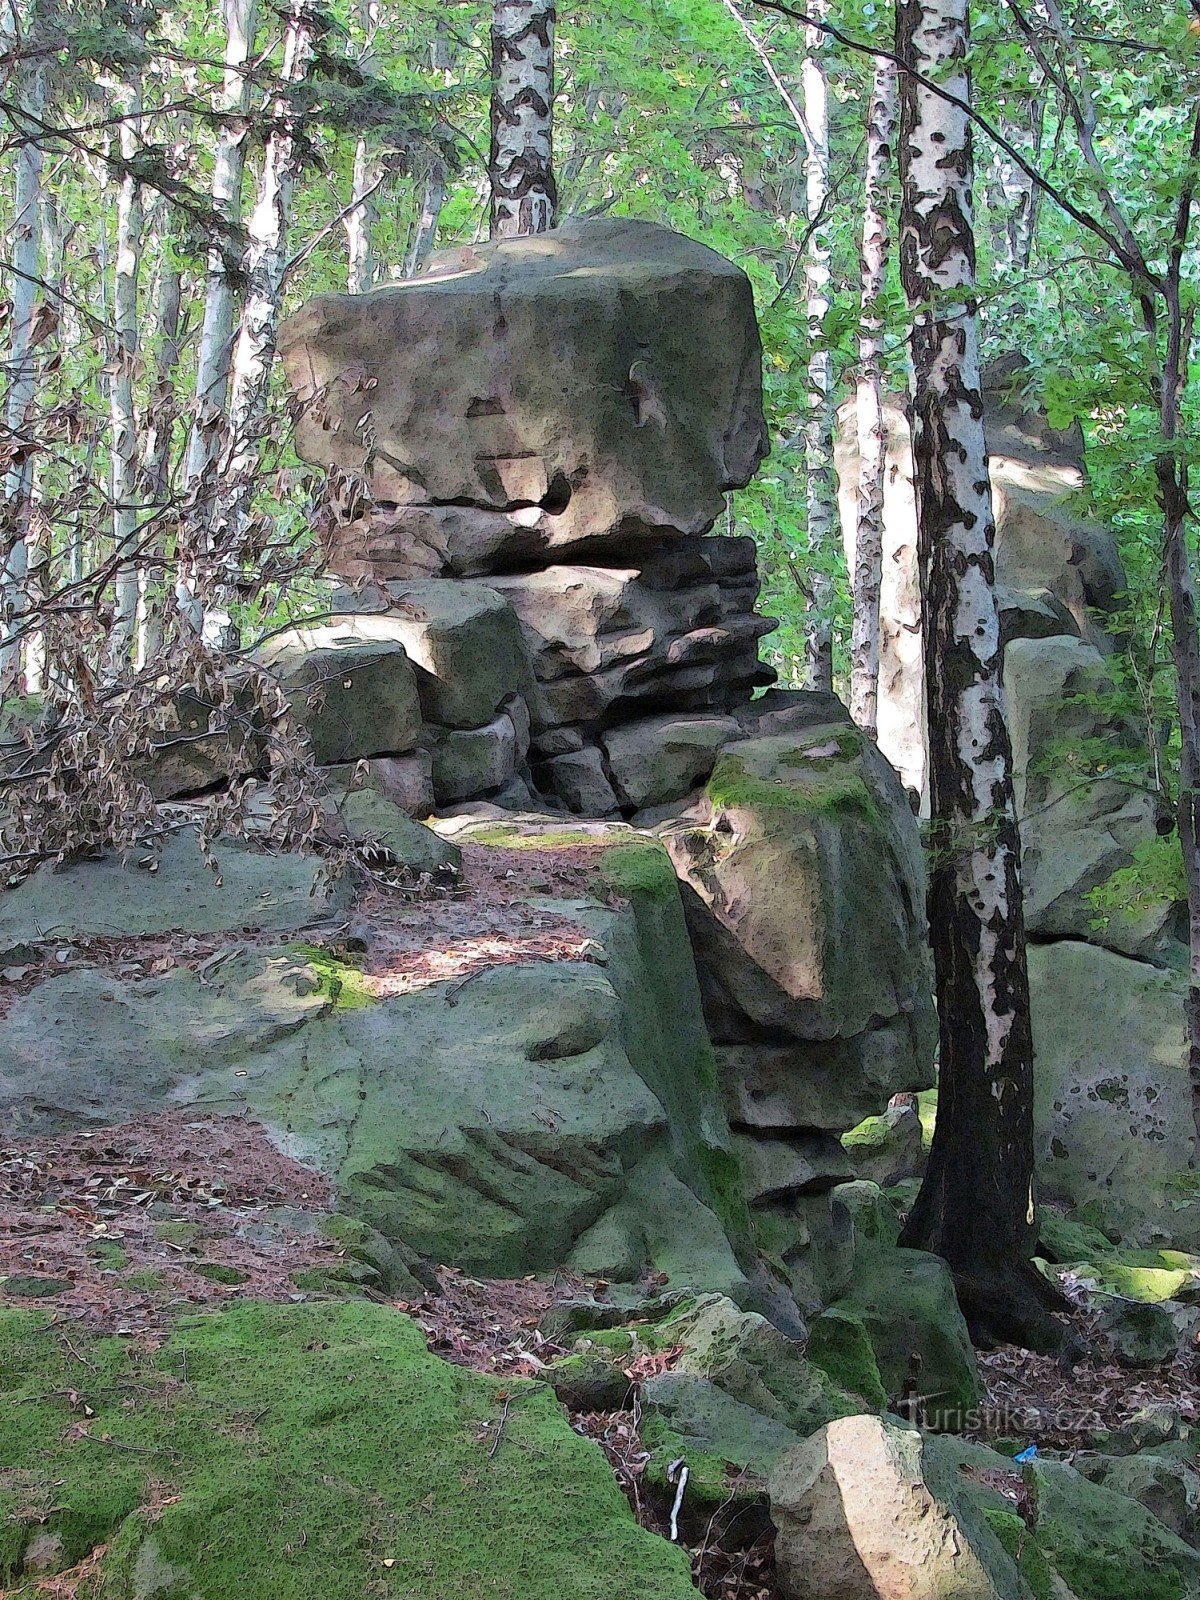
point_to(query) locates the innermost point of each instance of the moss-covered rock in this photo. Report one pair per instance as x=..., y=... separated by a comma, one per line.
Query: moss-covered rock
x=906, y=1305
x=752, y=1361
x=804, y=892
x=1105, y=1546
x=838, y=1343
x=888, y=1148
x=314, y=1450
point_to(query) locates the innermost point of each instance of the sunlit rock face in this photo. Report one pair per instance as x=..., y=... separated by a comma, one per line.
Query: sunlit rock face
x=579, y=391
x=553, y=423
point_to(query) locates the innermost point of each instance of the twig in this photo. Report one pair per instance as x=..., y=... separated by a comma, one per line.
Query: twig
x=499, y=1429
x=678, y=1466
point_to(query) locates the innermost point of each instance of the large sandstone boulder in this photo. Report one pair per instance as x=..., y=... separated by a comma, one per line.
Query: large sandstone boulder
x=804, y=890
x=1079, y=823
x=580, y=397
x=494, y=1123
x=350, y=685
x=1113, y=1100
x=463, y=641
x=864, y=1510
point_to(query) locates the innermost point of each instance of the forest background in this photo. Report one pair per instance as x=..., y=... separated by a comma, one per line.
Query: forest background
x=363, y=130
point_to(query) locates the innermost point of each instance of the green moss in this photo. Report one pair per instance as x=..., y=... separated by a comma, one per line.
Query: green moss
x=145, y=1278
x=839, y=1345
x=501, y=837
x=1066, y=1239
x=107, y=1255
x=344, y=984
x=1106, y=1547
x=315, y=1450
x=826, y=794
x=639, y=867
x=710, y=1483
x=218, y=1272
x=725, y=1191
x=927, y=1111
x=1022, y=1547
x=180, y=1233
x=869, y=1135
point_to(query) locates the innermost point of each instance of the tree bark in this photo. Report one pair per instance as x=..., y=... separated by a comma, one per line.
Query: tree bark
x=266, y=263
x=122, y=360
x=818, y=431
x=521, y=160
x=22, y=252
x=216, y=332
x=364, y=183
x=975, y=1206
x=872, y=431
x=162, y=409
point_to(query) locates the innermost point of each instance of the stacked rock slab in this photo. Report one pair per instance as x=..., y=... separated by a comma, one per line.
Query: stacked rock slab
x=550, y=425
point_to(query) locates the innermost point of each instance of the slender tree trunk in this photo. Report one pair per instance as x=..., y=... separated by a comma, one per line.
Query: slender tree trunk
x=360, y=220
x=266, y=263
x=123, y=356
x=216, y=333
x=20, y=374
x=872, y=430
x=162, y=409
x=433, y=198
x=975, y=1206
x=818, y=431
x=521, y=161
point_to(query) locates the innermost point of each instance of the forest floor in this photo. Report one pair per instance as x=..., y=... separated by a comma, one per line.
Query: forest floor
x=119, y=1230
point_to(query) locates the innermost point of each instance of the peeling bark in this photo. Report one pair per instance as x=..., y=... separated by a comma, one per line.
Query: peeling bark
x=818, y=430
x=872, y=431
x=521, y=160
x=975, y=1207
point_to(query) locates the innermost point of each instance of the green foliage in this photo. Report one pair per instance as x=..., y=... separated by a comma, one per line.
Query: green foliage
x=1155, y=874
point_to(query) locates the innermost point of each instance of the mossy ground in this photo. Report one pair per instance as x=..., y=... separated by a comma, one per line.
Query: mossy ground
x=1022, y=1547
x=306, y=1452
x=344, y=984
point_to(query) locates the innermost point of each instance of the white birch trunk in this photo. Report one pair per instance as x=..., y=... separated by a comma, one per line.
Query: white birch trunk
x=975, y=1207
x=122, y=360
x=364, y=183
x=216, y=333
x=818, y=431
x=521, y=161
x=872, y=431
x=158, y=432
x=20, y=371
x=254, y=349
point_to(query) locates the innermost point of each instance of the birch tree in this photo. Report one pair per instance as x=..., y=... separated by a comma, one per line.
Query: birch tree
x=872, y=432
x=254, y=350
x=216, y=332
x=364, y=182
x=20, y=376
x=975, y=1207
x=818, y=431
x=122, y=361
x=521, y=158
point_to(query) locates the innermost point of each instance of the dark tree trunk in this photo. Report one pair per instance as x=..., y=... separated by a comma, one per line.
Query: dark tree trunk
x=521, y=161
x=975, y=1207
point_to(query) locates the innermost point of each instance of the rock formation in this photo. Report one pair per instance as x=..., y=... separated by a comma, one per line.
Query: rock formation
x=552, y=419
x=1113, y=1098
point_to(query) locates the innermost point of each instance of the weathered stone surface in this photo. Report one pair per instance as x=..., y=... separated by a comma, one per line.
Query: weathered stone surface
x=99, y=899
x=805, y=898
x=472, y=761
x=579, y=397
x=369, y=817
x=888, y=1148
x=350, y=686
x=874, y=1216
x=609, y=643
x=578, y=778
x=1138, y=1333
x=489, y=1124
x=864, y=1511
x=811, y=1236
x=1078, y=824
x=463, y=639
x=407, y=781
x=1168, y=1488
x=906, y=1303
x=755, y=1364
x=1112, y=1096
x=783, y=1167
x=657, y=759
